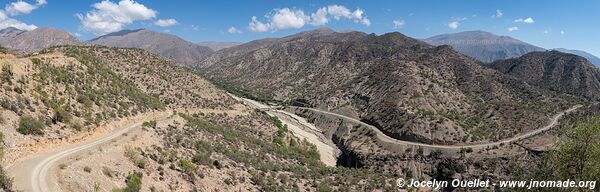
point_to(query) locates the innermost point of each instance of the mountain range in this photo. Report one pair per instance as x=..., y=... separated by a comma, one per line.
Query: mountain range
x=35, y=40
x=403, y=89
x=484, y=46
x=488, y=47
x=481, y=45
x=409, y=89
x=168, y=46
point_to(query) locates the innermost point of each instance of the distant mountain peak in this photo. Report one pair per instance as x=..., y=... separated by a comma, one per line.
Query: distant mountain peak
x=119, y=33
x=163, y=44
x=35, y=40
x=484, y=46
x=10, y=32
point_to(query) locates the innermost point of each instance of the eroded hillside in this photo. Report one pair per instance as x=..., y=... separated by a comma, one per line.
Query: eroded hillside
x=407, y=88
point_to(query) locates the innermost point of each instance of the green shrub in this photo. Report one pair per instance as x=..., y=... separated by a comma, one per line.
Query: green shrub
x=6, y=181
x=188, y=167
x=133, y=183
x=61, y=115
x=7, y=74
x=150, y=124
x=30, y=126
x=87, y=169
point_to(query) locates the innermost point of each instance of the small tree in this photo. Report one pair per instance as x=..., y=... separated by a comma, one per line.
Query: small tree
x=30, y=126
x=7, y=74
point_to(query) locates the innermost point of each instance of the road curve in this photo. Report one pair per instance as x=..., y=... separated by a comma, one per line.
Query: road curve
x=34, y=172
x=386, y=138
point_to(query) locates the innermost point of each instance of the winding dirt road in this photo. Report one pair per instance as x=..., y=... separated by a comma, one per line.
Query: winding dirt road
x=33, y=174
x=386, y=138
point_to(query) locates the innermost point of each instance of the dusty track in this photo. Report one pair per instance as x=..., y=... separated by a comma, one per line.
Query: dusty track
x=33, y=174
x=553, y=122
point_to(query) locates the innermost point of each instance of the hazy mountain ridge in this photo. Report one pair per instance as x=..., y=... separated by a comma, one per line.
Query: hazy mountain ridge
x=216, y=45
x=484, y=46
x=35, y=40
x=166, y=45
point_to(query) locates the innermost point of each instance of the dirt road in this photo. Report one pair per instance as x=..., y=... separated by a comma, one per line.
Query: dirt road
x=328, y=151
x=33, y=174
x=553, y=122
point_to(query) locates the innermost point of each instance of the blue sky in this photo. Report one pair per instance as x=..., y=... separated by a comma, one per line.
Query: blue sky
x=549, y=23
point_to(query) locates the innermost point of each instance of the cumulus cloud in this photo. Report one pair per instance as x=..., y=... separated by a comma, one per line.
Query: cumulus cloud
x=9, y=22
x=18, y=8
x=399, y=23
x=258, y=26
x=107, y=17
x=498, y=14
x=22, y=7
x=562, y=32
x=165, y=22
x=511, y=29
x=454, y=25
x=233, y=30
x=527, y=20
x=286, y=18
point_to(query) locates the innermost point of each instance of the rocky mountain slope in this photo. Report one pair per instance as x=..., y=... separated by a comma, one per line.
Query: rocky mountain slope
x=168, y=46
x=215, y=45
x=556, y=71
x=212, y=142
x=592, y=58
x=407, y=88
x=484, y=46
x=260, y=43
x=35, y=40
x=10, y=32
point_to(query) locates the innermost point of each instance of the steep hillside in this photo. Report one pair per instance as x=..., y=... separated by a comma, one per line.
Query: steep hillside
x=168, y=46
x=556, y=71
x=325, y=33
x=211, y=143
x=36, y=40
x=484, y=46
x=215, y=45
x=407, y=88
x=592, y=58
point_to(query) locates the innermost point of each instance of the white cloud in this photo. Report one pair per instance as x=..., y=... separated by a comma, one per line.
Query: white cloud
x=562, y=32
x=41, y=2
x=546, y=31
x=511, y=29
x=320, y=17
x=399, y=23
x=9, y=22
x=498, y=14
x=165, y=22
x=258, y=26
x=527, y=20
x=233, y=30
x=287, y=18
x=453, y=25
x=107, y=17
x=18, y=8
